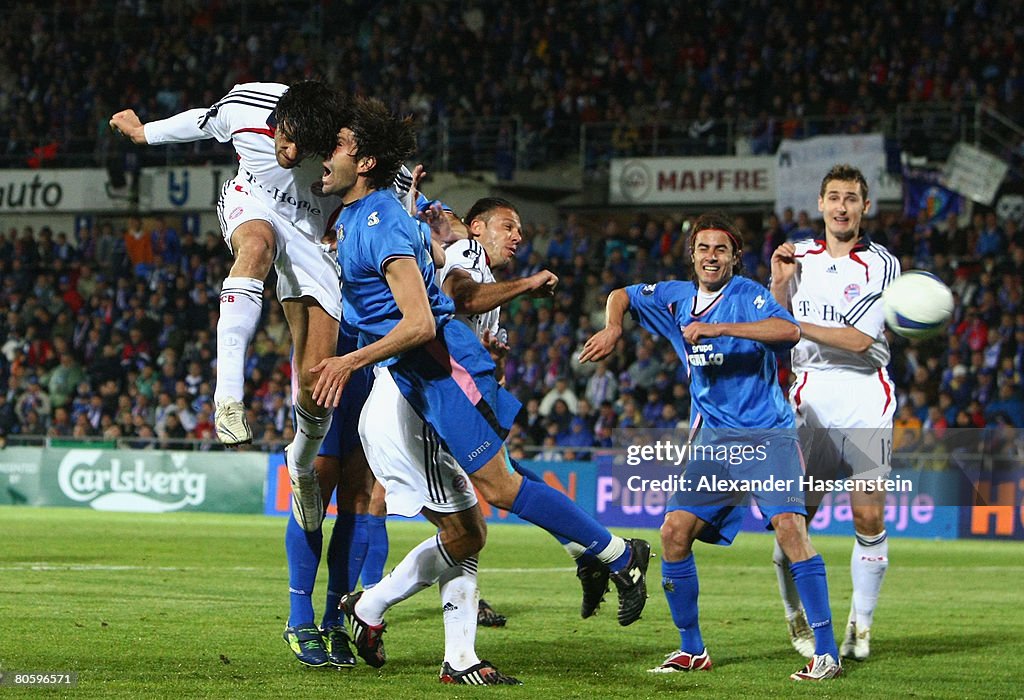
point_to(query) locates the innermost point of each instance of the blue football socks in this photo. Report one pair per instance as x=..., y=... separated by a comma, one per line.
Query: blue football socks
x=553, y=511
x=338, y=563
x=376, y=550
x=812, y=584
x=302, y=550
x=679, y=581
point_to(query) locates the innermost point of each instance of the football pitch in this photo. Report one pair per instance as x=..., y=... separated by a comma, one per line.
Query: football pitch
x=193, y=605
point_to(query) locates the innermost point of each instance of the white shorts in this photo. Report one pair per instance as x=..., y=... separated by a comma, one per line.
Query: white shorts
x=406, y=456
x=845, y=416
x=304, y=268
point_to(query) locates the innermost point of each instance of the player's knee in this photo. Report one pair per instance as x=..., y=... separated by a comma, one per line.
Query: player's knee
x=254, y=251
x=359, y=501
x=476, y=537
x=304, y=398
x=497, y=486
x=676, y=540
x=869, y=521
x=790, y=530
x=468, y=539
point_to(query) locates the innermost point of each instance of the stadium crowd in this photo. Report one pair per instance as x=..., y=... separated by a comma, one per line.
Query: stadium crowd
x=112, y=335
x=65, y=67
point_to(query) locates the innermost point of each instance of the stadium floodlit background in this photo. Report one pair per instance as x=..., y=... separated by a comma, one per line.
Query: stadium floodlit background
x=611, y=125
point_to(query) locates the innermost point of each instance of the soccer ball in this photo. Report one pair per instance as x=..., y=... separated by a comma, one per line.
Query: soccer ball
x=917, y=304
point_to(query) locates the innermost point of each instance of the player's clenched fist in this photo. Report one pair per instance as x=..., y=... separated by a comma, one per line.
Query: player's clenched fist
x=128, y=123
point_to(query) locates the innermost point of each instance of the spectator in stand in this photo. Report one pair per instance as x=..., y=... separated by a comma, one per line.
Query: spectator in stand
x=138, y=247
x=9, y=421
x=991, y=239
x=804, y=228
x=32, y=423
x=64, y=379
x=173, y=433
x=578, y=435
x=165, y=243
x=31, y=407
x=561, y=391
x=906, y=430
x=601, y=386
x=643, y=371
x=61, y=425
x=1008, y=404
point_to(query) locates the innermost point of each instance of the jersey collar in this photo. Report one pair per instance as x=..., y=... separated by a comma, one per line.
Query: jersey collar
x=862, y=243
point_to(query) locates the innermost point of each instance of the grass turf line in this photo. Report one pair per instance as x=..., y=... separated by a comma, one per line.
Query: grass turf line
x=192, y=605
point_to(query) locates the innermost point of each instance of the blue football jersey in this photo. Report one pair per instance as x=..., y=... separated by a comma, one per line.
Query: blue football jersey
x=733, y=381
x=372, y=231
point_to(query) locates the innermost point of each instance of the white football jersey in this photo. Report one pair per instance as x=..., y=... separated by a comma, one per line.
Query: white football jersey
x=467, y=254
x=838, y=292
x=241, y=117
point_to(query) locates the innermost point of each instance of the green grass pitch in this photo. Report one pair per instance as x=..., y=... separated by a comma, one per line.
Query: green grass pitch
x=192, y=605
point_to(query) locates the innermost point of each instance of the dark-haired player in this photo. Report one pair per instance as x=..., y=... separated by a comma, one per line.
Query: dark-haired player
x=834, y=288
x=727, y=329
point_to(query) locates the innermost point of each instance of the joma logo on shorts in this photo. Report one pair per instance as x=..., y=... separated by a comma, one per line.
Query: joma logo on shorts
x=479, y=451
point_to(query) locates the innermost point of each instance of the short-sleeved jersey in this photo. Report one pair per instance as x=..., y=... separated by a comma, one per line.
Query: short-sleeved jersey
x=244, y=117
x=467, y=254
x=733, y=381
x=371, y=232
x=838, y=292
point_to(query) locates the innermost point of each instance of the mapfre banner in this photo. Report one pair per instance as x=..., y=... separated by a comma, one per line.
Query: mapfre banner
x=723, y=180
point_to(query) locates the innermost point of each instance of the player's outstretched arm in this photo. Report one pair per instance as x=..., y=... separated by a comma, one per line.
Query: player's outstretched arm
x=472, y=297
x=416, y=327
x=601, y=344
x=770, y=331
x=844, y=338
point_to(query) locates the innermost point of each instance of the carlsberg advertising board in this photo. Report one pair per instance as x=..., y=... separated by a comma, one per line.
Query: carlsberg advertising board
x=152, y=481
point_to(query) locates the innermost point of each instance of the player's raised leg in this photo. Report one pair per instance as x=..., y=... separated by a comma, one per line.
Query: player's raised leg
x=553, y=511
x=591, y=571
x=241, y=305
x=315, y=337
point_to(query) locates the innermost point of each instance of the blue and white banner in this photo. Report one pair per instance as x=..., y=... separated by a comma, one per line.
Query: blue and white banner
x=924, y=191
x=800, y=167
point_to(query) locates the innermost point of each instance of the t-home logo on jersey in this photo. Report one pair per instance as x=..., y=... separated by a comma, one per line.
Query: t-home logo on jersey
x=120, y=484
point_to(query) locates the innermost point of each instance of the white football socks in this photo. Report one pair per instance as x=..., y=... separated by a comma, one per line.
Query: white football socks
x=613, y=551
x=867, y=568
x=459, y=600
x=420, y=569
x=241, y=304
x=787, y=586
x=575, y=549
x=309, y=436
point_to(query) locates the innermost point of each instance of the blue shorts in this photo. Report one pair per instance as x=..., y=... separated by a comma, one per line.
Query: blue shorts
x=343, y=436
x=450, y=384
x=771, y=458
